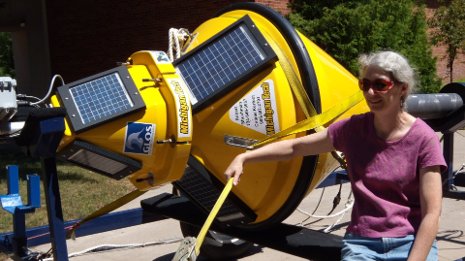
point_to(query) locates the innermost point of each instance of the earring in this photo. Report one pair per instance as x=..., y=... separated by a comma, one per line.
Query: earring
x=402, y=102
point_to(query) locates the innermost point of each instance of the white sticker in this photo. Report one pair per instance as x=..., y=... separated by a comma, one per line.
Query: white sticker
x=257, y=110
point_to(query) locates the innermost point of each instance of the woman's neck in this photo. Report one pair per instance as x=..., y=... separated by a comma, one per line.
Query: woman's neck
x=392, y=127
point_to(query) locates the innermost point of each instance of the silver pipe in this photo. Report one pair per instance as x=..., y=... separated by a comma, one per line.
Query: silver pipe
x=434, y=105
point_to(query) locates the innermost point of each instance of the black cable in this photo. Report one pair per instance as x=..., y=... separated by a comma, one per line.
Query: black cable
x=336, y=199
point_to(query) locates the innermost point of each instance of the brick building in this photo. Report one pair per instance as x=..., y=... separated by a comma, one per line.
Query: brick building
x=440, y=52
x=90, y=36
x=80, y=38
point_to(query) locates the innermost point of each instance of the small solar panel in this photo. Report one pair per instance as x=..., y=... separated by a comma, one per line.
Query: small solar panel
x=99, y=98
x=100, y=160
x=225, y=61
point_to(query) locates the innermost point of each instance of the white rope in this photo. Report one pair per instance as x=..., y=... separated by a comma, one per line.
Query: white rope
x=176, y=39
x=349, y=204
x=108, y=247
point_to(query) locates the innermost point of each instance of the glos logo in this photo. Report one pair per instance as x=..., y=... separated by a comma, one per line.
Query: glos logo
x=139, y=138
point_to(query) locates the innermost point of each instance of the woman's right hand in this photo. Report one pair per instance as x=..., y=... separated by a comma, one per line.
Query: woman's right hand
x=235, y=169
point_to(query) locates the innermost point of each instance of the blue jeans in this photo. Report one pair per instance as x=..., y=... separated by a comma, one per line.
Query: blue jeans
x=363, y=248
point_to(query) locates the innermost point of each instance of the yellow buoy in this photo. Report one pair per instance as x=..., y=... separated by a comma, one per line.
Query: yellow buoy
x=247, y=75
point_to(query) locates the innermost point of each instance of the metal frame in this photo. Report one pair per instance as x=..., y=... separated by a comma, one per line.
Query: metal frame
x=13, y=204
x=41, y=136
x=448, y=176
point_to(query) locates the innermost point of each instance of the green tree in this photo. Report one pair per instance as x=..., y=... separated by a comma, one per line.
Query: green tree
x=448, y=27
x=345, y=29
x=6, y=55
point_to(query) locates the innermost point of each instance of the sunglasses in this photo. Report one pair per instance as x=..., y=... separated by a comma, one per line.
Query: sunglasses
x=378, y=85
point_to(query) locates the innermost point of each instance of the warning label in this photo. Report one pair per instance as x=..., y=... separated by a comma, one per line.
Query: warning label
x=257, y=110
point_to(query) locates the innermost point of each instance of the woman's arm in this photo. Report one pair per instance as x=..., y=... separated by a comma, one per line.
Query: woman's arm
x=430, y=200
x=315, y=143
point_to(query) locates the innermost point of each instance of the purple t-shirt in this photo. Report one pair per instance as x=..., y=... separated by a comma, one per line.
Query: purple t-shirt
x=385, y=175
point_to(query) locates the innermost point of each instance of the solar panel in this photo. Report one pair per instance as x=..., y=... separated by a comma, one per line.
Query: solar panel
x=225, y=61
x=99, y=98
x=97, y=159
x=88, y=158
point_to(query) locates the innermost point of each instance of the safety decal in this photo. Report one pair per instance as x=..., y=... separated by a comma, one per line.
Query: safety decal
x=257, y=110
x=139, y=138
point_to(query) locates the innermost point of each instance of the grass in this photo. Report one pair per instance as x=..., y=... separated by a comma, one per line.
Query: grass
x=82, y=191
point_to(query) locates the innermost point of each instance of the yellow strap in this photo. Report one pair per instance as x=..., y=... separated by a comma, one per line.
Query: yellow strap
x=296, y=86
x=315, y=121
x=107, y=208
x=212, y=215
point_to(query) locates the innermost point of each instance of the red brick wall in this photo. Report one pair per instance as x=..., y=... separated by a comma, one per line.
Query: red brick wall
x=441, y=65
x=279, y=5
x=440, y=53
x=87, y=37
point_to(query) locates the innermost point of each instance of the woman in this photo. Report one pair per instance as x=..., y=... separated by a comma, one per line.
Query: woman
x=394, y=165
